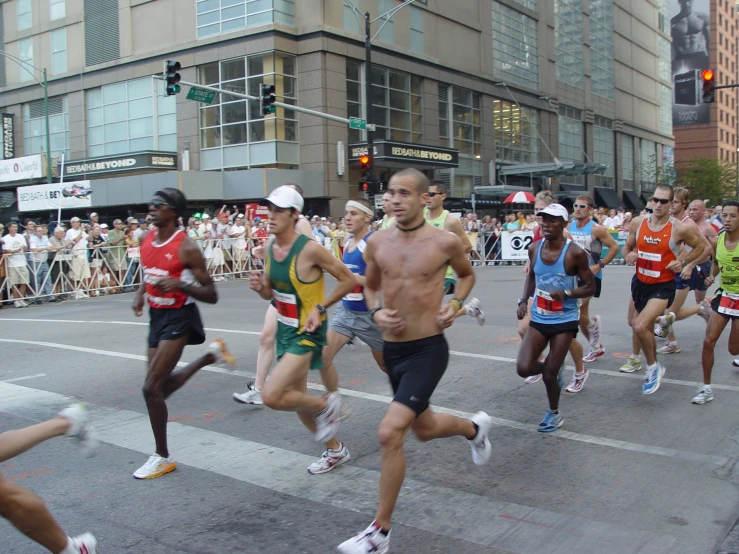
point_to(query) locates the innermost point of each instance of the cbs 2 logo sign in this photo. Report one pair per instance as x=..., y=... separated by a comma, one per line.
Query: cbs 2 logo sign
x=519, y=243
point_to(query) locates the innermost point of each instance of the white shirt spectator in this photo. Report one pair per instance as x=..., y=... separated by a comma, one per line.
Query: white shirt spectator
x=239, y=243
x=610, y=223
x=36, y=242
x=14, y=243
x=222, y=230
x=80, y=247
x=137, y=234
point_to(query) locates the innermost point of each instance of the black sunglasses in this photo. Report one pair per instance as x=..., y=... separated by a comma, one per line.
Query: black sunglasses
x=662, y=201
x=432, y=194
x=159, y=204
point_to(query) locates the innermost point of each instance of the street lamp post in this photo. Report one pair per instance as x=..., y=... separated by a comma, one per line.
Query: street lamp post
x=44, y=84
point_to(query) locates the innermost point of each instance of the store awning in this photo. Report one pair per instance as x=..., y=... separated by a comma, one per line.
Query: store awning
x=501, y=190
x=553, y=169
x=606, y=198
x=632, y=200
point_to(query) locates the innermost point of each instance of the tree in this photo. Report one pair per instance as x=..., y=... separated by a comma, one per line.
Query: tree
x=708, y=179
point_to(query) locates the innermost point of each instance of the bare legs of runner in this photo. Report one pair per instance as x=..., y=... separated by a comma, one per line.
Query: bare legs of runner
x=21, y=507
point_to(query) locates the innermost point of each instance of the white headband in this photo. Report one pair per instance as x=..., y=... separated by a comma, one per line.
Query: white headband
x=365, y=209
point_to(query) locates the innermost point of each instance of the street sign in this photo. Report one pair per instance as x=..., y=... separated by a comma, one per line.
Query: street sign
x=357, y=123
x=201, y=95
x=378, y=201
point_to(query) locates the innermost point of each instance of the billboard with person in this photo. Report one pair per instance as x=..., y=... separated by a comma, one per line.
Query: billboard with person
x=690, y=30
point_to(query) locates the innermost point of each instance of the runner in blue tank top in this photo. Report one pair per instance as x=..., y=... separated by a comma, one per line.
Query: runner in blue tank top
x=560, y=275
x=591, y=237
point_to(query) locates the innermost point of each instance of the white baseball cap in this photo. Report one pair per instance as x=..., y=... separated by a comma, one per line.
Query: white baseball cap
x=74, y=219
x=557, y=210
x=104, y=226
x=206, y=216
x=284, y=197
x=93, y=214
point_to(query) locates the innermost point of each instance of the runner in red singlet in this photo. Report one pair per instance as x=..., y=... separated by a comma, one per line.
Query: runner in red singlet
x=171, y=263
x=653, y=246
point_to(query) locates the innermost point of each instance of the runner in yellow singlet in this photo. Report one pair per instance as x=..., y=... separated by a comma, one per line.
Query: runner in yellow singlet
x=388, y=218
x=440, y=218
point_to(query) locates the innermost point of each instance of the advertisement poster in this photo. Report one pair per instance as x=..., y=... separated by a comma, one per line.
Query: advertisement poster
x=515, y=246
x=54, y=196
x=690, y=30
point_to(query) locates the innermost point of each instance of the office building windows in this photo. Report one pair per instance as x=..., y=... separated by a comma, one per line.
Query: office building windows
x=665, y=59
x=627, y=161
x=601, y=48
x=25, y=14
x=570, y=134
x=515, y=47
x=460, y=127
x=568, y=43
x=396, y=105
x=57, y=9
x=59, y=50
x=25, y=54
x=665, y=110
x=34, y=127
x=530, y=4
x=387, y=34
x=354, y=96
x=353, y=19
x=230, y=122
x=648, y=165
x=130, y=117
x=215, y=17
x=417, y=41
x=603, y=149
x=516, y=133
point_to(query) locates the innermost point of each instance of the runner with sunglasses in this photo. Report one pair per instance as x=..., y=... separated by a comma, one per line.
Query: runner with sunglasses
x=440, y=218
x=653, y=246
x=172, y=264
x=591, y=237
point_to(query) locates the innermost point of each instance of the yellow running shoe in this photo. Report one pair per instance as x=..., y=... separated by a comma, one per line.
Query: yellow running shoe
x=156, y=466
x=220, y=350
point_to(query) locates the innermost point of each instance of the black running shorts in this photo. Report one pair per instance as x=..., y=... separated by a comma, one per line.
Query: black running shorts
x=551, y=329
x=415, y=369
x=715, y=305
x=171, y=324
x=641, y=293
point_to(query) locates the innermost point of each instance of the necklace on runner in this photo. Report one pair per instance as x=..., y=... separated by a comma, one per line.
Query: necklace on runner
x=412, y=228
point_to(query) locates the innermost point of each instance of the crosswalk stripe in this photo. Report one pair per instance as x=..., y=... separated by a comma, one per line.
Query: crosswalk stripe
x=561, y=434
x=441, y=510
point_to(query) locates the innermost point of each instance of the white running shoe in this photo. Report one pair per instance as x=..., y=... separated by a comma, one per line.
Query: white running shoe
x=222, y=354
x=594, y=329
x=473, y=310
x=330, y=460
x=81, y=429
x=85, y=543
x=155, y=466
x=532, y=379
x=632, y=364
x=251, y=396
x=669, y=348
x=481, y=447
x=19, y=304
x=578, y=381
x=327, y=421
x=705, y=394
x=665, y=325
x=369, y=541
x=596, y=350
x=735, y=362
x=704, y=309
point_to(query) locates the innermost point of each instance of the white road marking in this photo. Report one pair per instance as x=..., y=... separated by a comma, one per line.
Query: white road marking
x=429, y=507
x=600, y=441
x=15, y=380
x=691, y=384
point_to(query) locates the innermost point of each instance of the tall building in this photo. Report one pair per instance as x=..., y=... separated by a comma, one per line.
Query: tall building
x=501, y=94
x=704, y=35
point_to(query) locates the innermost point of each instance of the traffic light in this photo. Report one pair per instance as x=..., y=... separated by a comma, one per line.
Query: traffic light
x=172, y=77
x=366, y=173
x=267, y=99
x=709, y=86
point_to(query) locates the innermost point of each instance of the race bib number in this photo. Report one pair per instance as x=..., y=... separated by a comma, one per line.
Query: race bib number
x=287, y=309
x=546, y=305
x=649, y=264
x=357, y=295
x=729, y=304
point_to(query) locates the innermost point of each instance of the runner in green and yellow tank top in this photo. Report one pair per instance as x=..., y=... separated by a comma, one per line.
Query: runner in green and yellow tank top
x=388, y=218
x=293, y=278
x=726, y=302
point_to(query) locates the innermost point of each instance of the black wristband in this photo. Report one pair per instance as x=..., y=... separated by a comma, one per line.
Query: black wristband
x=373, y=311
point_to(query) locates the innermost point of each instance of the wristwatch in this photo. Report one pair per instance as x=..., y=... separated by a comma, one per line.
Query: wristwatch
x=521, y=301
x=684, y=263
x=321, y=309
x=568, y=293
x=601, y=264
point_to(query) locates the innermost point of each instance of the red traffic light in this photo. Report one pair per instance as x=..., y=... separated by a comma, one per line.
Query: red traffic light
x=707, y=75
x=364, y=160
x=364, y=187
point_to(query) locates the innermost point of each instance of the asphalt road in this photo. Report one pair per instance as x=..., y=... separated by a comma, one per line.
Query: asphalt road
x=625, y=474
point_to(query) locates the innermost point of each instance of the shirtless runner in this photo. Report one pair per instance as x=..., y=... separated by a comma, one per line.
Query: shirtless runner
x=407, y=264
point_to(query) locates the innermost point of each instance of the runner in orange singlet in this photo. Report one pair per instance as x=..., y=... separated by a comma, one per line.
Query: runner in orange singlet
x=653, y=246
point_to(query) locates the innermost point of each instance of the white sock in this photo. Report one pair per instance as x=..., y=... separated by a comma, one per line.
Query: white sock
x=653, y=366
x=69, y=549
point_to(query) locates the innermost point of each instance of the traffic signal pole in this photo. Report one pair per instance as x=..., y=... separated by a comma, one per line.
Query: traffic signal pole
x=368, y=97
